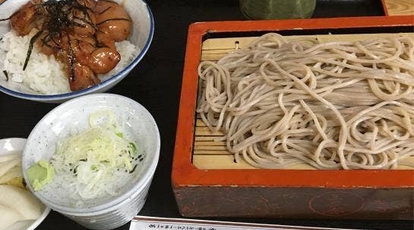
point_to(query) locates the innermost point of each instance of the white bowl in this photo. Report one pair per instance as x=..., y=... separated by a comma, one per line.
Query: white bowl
x=141, y=36
x=72, y=116
x=16, y=146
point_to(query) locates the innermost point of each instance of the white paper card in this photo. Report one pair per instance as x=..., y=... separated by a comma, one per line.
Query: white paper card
x=160, y=223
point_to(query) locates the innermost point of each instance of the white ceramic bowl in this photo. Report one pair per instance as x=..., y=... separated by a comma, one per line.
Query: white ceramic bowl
x=72, y=116
x=16, y=146
x=141, y=36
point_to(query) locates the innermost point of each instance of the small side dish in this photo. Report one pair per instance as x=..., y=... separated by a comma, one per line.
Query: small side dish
x=92, y=159
x=92, y=163
x=19, y=208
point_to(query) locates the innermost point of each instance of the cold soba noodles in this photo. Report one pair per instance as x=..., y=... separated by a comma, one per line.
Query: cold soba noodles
x=335, y=105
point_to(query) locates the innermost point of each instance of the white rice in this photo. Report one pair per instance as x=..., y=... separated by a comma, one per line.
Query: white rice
x=44, y=74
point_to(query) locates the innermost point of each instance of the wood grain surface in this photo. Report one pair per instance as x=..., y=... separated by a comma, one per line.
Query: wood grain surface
x=400, y=7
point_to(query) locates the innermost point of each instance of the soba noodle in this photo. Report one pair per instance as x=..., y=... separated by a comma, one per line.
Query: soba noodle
x=336, y=105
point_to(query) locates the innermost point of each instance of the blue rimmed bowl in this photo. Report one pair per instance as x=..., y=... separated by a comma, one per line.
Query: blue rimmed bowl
x=141, y=36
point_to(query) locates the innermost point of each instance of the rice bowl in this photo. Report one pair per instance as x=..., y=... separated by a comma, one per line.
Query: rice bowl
x=44, y=75
x=141, y=37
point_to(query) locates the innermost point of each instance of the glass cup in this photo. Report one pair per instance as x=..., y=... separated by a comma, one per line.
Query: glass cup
x=277, y=9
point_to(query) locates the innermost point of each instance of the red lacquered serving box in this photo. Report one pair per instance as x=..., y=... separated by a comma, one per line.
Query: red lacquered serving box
x=291, y=193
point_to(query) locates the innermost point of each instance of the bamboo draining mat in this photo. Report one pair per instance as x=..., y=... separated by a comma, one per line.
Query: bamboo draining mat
x=211, y=154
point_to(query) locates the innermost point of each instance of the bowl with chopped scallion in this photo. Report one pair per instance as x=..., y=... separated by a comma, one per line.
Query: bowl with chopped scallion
x=92, y=159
